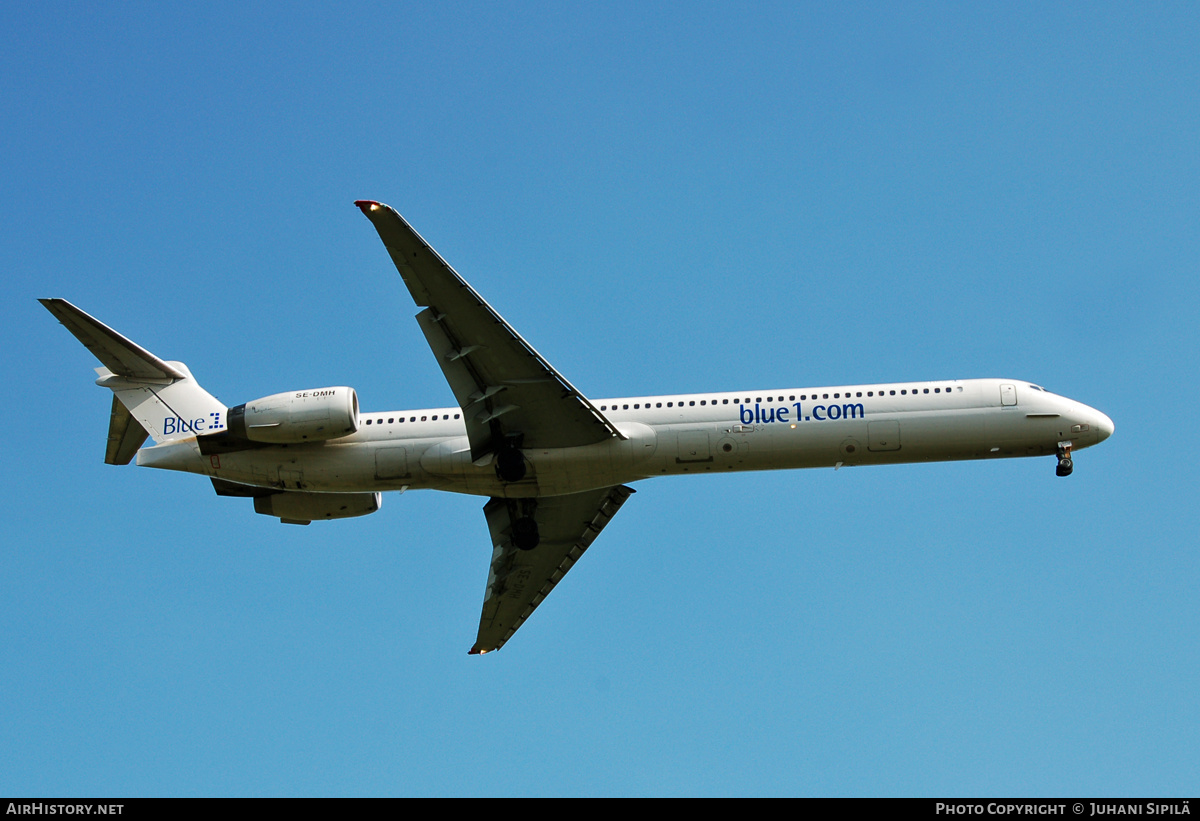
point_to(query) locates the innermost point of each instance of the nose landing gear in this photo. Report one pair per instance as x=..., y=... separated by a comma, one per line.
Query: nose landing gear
x=1065, y=465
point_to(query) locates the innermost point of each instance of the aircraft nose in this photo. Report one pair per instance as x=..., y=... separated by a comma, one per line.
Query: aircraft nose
x=1104, y=427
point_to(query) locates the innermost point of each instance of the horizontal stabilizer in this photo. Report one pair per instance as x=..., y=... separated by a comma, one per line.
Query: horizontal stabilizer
x=154, y=397
x=120, y=355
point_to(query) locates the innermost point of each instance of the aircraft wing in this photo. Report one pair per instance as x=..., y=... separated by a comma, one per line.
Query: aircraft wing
x=505, y=387
x=519, y=580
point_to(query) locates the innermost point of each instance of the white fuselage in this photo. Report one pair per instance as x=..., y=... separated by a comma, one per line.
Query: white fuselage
x=672, y=435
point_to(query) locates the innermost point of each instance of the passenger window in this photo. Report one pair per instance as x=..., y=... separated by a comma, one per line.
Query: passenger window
x=368, y=421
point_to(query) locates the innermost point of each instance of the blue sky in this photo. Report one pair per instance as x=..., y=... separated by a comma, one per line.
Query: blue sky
x=661, y=198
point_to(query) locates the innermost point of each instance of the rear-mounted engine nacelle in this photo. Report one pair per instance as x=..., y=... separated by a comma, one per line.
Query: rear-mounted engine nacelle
x=297, y=416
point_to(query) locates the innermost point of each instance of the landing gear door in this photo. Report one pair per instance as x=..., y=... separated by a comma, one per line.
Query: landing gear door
x=1008, y=394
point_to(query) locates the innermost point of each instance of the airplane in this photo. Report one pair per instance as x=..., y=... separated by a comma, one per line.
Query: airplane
x=554, y=465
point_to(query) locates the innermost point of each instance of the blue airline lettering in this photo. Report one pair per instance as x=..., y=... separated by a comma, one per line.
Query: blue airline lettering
x=173, y=424
x=757, y=415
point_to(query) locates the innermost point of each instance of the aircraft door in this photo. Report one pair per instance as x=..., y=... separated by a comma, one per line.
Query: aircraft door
x=1008, y=395
x=391, y=463
x=693, y=447
x=883, y=436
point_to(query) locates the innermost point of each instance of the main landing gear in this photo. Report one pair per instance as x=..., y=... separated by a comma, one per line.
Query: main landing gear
x=510, y=461
x=1065, y=465
x=525, y=534
x=523, y=527
x=511, y=467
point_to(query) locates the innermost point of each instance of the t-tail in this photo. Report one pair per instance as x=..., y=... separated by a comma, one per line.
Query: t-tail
x=151, y=397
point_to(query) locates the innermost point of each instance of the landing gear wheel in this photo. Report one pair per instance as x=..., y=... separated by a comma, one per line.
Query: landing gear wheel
x=1065, y=465
x=510, y=465
x=525, y=533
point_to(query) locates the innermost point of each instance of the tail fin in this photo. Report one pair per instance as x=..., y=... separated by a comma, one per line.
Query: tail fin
x=152, y=397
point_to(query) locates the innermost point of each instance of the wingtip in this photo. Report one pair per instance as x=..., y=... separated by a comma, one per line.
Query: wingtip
x=56, y=306
x=368, y=205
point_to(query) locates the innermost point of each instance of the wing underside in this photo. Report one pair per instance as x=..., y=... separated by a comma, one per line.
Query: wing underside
x=519, y=580
x=512, y=399
x=504, y=386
